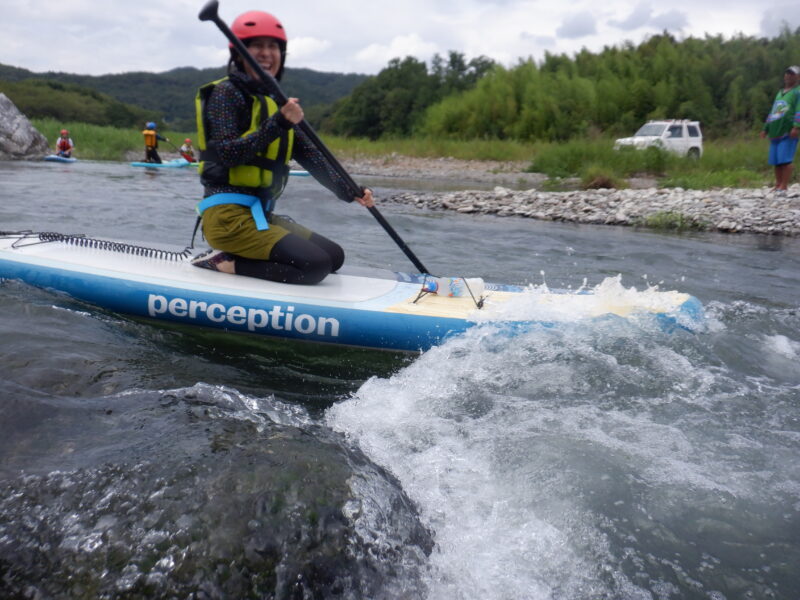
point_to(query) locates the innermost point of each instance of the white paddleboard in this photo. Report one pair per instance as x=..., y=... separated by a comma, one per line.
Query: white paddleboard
x=383, y=310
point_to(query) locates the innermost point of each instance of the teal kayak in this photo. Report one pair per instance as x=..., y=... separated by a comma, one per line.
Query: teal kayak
x=175, y=163
x=57, y=158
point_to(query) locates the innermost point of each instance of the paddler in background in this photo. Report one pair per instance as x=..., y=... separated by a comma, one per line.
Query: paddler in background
x=187, y=151
x=245, y=144
x=151, y=138
x=64, y=145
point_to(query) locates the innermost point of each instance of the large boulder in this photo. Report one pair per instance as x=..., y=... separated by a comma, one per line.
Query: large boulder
x=19, y=140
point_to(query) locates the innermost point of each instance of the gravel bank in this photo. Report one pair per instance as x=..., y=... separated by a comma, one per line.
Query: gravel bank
x=725, y=210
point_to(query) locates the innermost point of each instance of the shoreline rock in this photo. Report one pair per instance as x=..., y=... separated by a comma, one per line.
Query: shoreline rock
x=19, y=140
x=727, y=210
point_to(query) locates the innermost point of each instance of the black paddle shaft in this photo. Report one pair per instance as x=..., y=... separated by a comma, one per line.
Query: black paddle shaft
x=209, y=13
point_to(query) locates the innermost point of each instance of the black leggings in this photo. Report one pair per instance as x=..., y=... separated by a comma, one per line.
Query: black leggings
x=151, y=155
x=295, y=259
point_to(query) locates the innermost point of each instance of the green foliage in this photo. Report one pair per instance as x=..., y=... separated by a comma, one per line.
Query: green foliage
x=71, y=102
x=167, y=98
x=735, y=178
x=393, y=102
x=568, y=159
x=725, y=84
x=98, y=142
x=725, y=163
x=499, y=150
x=597, y=177
x=385, y=104
x=673, y=221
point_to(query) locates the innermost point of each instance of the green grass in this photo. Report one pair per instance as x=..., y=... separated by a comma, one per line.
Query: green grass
x=423, y=147
x=725, y=163
x=96, y=142
x=735, y=178
x=735, y=162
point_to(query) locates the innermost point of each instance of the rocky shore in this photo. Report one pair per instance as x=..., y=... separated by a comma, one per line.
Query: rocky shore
x=724, y=210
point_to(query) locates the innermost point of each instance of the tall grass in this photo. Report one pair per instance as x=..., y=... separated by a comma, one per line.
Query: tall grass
x=426, y=147
x=96, y=142
x=725, y=163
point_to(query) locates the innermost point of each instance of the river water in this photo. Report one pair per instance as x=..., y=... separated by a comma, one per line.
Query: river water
x=593, y=460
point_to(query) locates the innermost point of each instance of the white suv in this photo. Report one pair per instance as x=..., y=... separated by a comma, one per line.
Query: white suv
x=680, y=136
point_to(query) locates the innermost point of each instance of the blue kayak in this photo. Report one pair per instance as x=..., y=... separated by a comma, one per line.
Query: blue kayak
x=57, y=158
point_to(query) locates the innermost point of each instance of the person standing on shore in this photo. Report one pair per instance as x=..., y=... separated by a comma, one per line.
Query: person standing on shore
x=64, y=145
x=151, y=138
x=246, y=142
x=782, y=126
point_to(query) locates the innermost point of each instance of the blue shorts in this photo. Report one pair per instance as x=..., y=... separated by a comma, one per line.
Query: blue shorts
x=781, y=150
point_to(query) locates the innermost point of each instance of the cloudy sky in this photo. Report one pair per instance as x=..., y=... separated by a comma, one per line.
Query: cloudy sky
x=357, y=36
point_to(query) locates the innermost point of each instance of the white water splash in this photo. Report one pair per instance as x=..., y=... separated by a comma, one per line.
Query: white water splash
x=471, y=453
x=525, y=453
x=783, y=346
x=538, y=303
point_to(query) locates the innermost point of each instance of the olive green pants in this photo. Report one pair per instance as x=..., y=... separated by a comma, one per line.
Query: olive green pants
x=230, y=227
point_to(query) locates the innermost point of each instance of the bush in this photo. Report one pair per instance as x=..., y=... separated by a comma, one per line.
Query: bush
x=596, y=177
x=673, y=221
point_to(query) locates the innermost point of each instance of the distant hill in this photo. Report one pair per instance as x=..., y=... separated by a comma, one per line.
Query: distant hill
x=171, y=94
x=45, y=98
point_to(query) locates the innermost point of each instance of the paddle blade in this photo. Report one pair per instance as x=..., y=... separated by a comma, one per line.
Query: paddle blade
x=209, y=11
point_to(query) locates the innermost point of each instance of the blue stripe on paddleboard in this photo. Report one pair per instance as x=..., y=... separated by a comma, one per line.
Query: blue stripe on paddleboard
x=272, y=317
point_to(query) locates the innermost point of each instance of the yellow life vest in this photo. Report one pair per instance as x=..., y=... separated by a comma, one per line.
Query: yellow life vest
x=150, y=139
x=261, y=171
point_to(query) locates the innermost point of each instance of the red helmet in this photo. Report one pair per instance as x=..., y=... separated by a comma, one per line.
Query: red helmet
x=256, y=23
x=64, y=132
x=187, y=141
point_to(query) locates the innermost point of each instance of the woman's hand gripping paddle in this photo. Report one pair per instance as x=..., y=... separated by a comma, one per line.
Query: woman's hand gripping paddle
x=209, y=13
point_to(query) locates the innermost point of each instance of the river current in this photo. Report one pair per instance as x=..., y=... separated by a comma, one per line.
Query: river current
x=601, y=459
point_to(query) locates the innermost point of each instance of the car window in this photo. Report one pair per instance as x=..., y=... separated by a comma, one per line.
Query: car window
x=694, y=131
x=675, y=131
x=651, y=129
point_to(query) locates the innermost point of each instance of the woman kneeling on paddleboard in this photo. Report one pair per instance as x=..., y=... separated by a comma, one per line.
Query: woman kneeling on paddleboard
x=246, y=142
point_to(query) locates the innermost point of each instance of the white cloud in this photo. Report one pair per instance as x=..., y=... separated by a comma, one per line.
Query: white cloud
x=309, y=50
x=773, y=21
x=672, y=20
x=356, y=35
x=643, y=17
x=577, y=25
x=638, y=18
x=377, y=55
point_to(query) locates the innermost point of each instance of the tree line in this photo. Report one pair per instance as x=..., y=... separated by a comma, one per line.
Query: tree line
x=71, y=102
x=167, y=98
x=395, y=100
x=726, y=84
